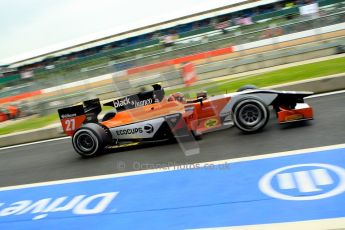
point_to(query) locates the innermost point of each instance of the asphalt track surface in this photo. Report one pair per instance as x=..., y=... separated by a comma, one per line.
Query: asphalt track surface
x=57, y=160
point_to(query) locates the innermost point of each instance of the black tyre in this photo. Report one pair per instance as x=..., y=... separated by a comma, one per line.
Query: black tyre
x=90, y=140
x=246, y=87
x=108, y=116
x=250, y=115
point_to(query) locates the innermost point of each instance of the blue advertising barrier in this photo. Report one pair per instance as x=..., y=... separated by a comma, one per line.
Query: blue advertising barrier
x=300, y=187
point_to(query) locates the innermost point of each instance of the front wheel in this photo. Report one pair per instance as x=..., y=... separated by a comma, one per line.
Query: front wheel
x=246, y=87
x=250, y=115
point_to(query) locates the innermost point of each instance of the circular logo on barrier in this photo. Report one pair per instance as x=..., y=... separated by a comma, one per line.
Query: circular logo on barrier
x=304, y=182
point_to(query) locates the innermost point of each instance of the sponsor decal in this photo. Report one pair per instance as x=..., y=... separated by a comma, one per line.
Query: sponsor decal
x=143, y=129
x=77, y=205
x=121, y=102
x=128, y=103
x=149, y=128
x=304, y=182
x=68, y=115
x=294, y=117
x=143, y=102
x=211, y=122
x=129, y=131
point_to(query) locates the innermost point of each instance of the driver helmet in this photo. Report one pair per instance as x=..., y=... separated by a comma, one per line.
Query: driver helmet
x=178, y=96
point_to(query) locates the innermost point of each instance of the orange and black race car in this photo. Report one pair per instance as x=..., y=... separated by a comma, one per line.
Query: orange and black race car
x=9, y=112
x=150, y=117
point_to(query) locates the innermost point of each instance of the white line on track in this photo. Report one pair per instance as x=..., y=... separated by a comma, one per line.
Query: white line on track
x=326, y=94
x=204, y=164
x=61, y=138
x=34, y=143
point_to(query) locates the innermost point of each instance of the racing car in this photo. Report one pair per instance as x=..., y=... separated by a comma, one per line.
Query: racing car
x=149, y=116
x=9, y=112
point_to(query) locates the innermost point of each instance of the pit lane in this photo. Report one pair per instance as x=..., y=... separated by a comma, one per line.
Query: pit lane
x=57, y=160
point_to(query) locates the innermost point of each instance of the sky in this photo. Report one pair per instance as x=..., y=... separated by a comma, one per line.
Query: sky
x=33, y=27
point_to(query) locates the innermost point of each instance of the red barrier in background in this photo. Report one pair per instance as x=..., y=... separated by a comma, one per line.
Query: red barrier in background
x=20, y=96
x=189, y=74
x=181, y=60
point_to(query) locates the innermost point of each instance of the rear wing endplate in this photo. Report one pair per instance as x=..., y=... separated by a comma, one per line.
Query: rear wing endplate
x=73, y=117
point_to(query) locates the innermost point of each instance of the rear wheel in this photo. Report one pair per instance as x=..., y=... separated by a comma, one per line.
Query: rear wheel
x=90, y=140
x=250, y=115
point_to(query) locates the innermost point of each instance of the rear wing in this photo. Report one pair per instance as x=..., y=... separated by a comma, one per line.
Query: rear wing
x=138, y=100
x=75, y=116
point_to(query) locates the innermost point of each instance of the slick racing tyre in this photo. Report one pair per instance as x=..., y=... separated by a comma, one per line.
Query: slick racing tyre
x=250, y=115
x=90, y=140
x=246, y=87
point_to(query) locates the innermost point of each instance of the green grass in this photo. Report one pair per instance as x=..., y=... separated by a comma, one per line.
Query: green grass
x=286, y=75
x=34, y=123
